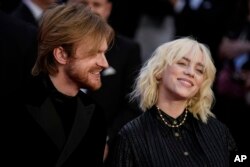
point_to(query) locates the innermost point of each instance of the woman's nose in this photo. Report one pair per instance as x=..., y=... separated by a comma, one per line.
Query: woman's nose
x=189, y=71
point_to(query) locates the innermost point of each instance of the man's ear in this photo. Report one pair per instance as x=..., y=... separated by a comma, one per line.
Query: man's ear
x=60, y=55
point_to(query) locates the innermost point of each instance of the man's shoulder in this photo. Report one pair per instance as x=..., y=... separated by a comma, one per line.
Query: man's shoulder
x=16, y=27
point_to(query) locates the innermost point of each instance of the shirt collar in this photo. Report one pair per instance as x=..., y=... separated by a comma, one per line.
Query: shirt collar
x=34, y=8
x=186, y=126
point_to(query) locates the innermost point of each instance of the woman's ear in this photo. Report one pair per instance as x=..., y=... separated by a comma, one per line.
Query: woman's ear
x=158, y=77
x=60, y=55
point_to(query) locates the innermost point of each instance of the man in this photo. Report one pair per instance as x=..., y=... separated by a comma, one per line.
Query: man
x=124, y=60
x=51, y=122
x=18, y=50
x=31, y=10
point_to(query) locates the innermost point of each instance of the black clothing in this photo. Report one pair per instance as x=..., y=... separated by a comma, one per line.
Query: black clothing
x=18, y=51
x=36, y=132
x=65, y=107
x=124, y=64
x=148, y=142
x=23, y=12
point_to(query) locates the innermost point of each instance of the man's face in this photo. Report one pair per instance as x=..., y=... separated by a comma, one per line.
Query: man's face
x=101, y=7
x=84, y=67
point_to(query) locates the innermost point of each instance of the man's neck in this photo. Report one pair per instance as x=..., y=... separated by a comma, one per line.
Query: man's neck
x=64, y=85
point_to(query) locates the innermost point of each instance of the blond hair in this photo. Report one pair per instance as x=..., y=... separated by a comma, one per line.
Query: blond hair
x=146, y=86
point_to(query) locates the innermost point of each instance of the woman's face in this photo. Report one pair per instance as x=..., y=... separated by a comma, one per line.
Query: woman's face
x=183, y=79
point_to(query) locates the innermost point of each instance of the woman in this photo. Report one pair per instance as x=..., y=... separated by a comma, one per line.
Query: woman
x=177, y=127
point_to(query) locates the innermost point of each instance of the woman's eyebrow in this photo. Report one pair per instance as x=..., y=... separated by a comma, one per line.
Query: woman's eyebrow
x=188, y=60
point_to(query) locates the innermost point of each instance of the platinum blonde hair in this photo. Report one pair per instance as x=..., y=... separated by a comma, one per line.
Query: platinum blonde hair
x=146, y=85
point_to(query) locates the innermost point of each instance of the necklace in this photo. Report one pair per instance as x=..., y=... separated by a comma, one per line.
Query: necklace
x=170, y=125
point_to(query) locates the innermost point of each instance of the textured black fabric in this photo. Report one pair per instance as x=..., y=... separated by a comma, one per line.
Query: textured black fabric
x=148, y=142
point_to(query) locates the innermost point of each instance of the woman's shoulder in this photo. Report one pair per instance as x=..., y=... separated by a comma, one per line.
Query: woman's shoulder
x=213, y=121
x=219, y=129
x=214, y=125
x=137, y=125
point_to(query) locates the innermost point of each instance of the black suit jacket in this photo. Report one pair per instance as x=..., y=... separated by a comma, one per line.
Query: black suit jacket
x=18, y=51
x=34, y=136
x=124, y=63
x=23, y=12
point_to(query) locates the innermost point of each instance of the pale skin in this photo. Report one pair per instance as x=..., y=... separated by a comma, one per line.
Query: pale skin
x=180, y=82
x=81, y=70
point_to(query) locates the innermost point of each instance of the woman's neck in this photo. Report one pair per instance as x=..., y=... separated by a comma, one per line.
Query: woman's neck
x=173, y=108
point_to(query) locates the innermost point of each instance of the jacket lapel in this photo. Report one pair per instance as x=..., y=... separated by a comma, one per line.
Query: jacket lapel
x=79, y=129
x=48, y=119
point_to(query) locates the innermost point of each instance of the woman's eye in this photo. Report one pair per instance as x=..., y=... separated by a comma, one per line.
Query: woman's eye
x=182, y=63
x=200, y=71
